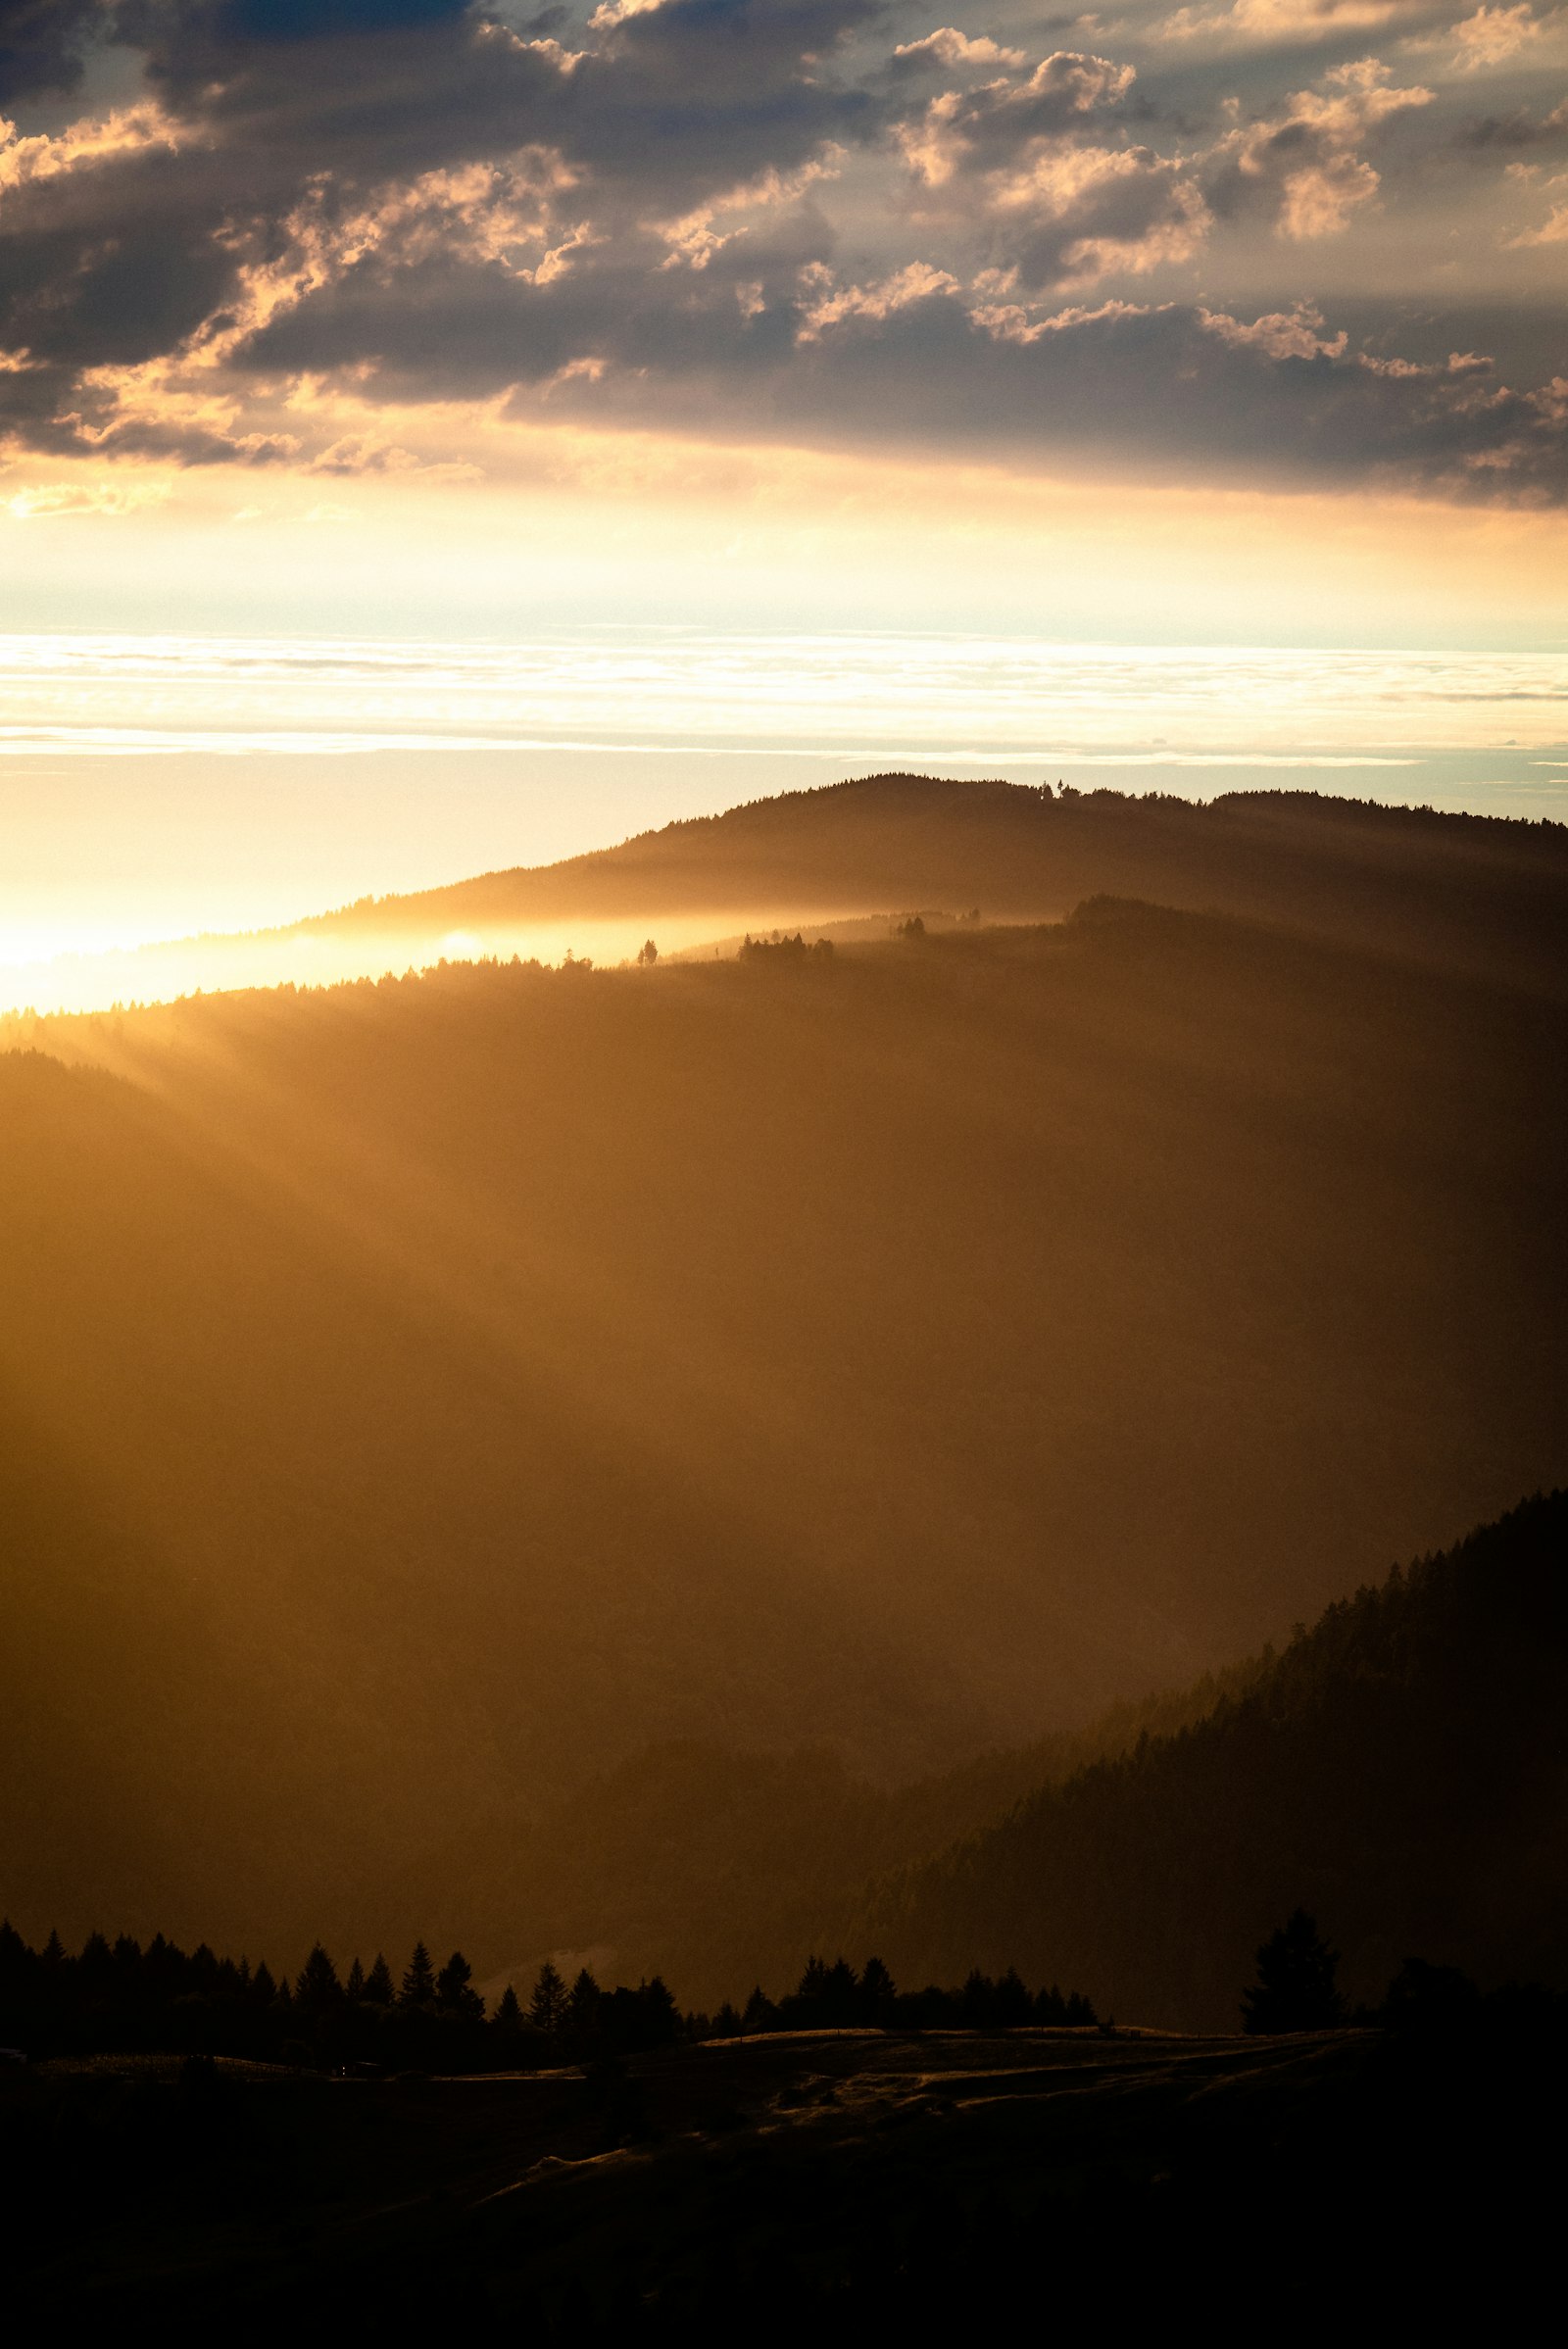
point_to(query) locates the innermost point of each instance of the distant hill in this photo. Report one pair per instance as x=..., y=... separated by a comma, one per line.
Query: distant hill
x=1486, y=893
x=417, y=1399
x=1401, y=1770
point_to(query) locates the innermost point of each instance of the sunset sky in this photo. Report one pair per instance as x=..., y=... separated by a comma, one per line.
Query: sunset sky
x=410, y=323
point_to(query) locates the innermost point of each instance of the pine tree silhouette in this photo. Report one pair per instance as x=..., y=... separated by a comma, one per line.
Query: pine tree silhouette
x=1296, y=1987
x=418, y=1982
x=582, y=2006
x=877, y=1994
x=378, y=1991
x=455, y=1991
x=317, y=1990
x=547, y=2008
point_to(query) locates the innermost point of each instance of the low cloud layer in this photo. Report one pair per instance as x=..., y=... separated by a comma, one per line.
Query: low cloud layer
x=820, y=221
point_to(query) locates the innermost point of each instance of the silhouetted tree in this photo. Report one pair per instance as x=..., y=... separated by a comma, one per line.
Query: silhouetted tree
x=648, y=954
x=661, y=2014
x=1296, y=1987
x=583, y=2002
x=878, y=1996
x=378, y=1991
x=455, y=1991
x=1013, y=2004
x=508, y=2017
x=761, y=2013
x=354, y=1986
x=418, y=1982
x=1435, y=1998
x=317, y=1990
x=979, y=2001
x=547, y=2008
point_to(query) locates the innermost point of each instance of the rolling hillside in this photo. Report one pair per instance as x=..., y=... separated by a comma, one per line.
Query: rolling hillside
x=431, y=1394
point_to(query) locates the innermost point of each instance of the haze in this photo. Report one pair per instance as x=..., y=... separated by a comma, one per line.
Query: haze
x=783, y=1184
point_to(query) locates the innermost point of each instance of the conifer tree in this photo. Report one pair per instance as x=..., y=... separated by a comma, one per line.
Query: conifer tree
x=455, y=1991
x=508, y=2017
x=547, y=2008
x=813, y=1987
x=660, y=2019
x=354, y=1986
x=317, y=1990
x=1014, y=2003
x=1297, y=1987
x=378, y=1991
x=877, y=1994
x=418, y=1982
x=583, y=2002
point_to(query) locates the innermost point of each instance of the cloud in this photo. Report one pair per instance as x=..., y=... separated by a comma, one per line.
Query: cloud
x=742, y=216
x=1493, y=34
x=1514, y=131
x=1285, y=24
x=327, y=19
x=57, y=500
x=1275, y=396
x=1005, y=125
x=42, y=44
x=1553, y=231
x=25, y=162
x=1302, y=164
x=1037, y=167
x=917, y=283
x=948, y=50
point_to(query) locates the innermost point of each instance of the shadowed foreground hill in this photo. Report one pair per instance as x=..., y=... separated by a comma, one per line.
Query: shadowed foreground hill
x=833, y=2187
x=417, y=1397
x=1401, y=1769
x=1487, y=895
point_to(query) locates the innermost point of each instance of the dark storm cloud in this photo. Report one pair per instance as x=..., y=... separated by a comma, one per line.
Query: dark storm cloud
x=41, y=44
x=633, y=217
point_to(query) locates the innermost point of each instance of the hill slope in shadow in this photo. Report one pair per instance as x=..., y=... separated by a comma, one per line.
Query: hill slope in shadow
x=1401, y=1770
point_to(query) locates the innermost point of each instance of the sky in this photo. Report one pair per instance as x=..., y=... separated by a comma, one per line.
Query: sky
x=676, y=389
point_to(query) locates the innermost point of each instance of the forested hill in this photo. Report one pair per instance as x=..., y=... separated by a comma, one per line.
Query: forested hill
x=1488, y=893
x=1400, y=1770
x=416, y=1399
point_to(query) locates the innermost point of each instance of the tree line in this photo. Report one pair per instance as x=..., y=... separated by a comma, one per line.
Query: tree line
x=121, y=1998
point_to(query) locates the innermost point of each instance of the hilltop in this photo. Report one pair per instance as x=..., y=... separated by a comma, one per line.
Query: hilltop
x=1490, y=894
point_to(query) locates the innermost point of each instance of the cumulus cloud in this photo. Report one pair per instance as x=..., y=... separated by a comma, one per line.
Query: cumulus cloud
x=1302, y=164
x=948, y=51
x=1039, y=166
x=1493, y=34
